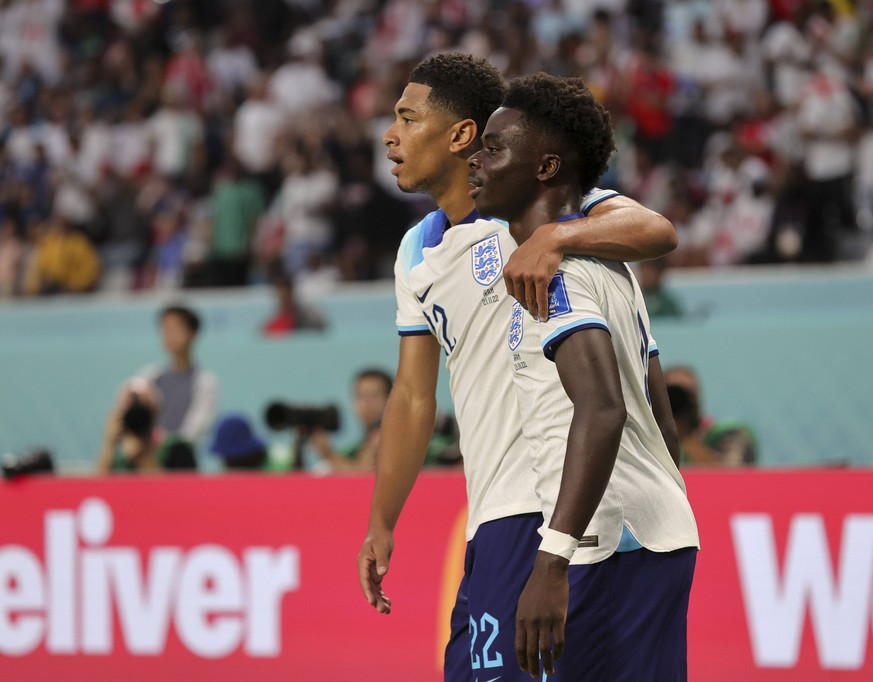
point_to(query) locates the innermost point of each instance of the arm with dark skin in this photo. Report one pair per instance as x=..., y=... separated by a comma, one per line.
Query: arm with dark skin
x=588, y=370
x=661, y=408
x=618, y=228
x=406, y=430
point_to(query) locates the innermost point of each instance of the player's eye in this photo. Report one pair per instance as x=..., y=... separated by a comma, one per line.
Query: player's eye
x=491, y=150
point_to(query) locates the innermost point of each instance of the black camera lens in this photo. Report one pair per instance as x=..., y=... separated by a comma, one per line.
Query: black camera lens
x=284, y=416
x=32, y=462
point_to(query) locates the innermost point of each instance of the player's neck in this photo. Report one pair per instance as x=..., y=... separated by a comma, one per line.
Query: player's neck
x=547, y=208
x=452, y=195
x=456, y=203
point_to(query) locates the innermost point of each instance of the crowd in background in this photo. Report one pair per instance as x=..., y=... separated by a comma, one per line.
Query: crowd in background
x=190, y=143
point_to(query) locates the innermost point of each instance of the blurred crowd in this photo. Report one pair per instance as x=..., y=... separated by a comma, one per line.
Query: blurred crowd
x=190, y=143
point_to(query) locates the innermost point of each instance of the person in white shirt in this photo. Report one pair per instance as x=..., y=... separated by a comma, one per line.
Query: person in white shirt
x=828, y=118
x=175, y=132
x=612, y=576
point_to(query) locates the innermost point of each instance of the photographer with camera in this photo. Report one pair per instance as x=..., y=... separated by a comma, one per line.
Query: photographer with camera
x=131, y=440
x=372, y=387
x=702, y=439
x=313, y=424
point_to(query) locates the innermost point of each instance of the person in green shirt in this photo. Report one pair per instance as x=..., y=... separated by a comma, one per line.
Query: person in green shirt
x=235, y=205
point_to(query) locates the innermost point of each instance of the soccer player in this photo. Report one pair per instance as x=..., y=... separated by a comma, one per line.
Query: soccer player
x=451, y=298
x=612, y=575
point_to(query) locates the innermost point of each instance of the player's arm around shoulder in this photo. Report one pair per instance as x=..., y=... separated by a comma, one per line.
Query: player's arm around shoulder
x=407, y=426
x=615, y=227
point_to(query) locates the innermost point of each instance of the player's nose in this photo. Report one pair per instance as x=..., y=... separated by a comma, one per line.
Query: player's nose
x=473, y=161
x=389, y=139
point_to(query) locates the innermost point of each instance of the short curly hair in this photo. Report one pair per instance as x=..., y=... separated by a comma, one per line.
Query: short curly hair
x=566, y=110
x=462, y=85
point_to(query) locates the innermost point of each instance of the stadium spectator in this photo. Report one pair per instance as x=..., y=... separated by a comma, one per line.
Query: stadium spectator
x=235, y=205
x=257, y=129
x=177, y=89
x=659, y=302
x=176, y=130
x=63, y=261
x=188, y=394
x=11, y=257
x=828, y=121
x=290, y=314
x=702, y=439
x=239, y=449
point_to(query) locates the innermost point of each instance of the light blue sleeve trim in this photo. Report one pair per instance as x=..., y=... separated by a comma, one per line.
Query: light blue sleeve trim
x=551, y=342
x=413, y=329
x=628, y=542
x=594, y=197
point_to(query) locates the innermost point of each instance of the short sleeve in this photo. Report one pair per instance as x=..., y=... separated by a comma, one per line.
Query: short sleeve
x=594, y=197
x=574, y=305
x=410, y=317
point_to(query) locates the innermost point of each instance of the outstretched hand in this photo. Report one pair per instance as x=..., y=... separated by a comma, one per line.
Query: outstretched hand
x=373, y=566
x=530, y=270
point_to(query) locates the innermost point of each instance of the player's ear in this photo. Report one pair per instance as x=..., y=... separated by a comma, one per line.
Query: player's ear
x=550, y=164
x=463, y=135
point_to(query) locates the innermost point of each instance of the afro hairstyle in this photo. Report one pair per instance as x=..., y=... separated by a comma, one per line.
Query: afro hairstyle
x=566, y=111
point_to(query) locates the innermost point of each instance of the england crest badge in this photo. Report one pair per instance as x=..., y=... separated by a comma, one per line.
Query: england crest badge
x=487, y=260
x=516, y=326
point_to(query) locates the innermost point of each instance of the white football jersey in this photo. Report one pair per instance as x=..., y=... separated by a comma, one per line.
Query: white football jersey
x=645, y=502
x=449, y=283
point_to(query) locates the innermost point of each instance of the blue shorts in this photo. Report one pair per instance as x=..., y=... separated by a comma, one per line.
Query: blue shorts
x=497, y=564
x=626, y=619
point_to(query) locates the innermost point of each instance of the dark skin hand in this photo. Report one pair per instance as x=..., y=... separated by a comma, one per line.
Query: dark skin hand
x=589, y=372
x=616, y=229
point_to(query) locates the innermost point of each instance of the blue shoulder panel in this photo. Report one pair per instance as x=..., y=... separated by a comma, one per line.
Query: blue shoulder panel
x=425, y=235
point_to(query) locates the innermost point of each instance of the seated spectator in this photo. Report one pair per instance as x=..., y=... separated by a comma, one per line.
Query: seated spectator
x=64, y=261
x=290, y=314
x=702, y=439
x=239, y=448
x=188, y=394
x=133, y=442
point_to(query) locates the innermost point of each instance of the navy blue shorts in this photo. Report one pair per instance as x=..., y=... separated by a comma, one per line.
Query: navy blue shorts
x=497, y=564
x=626, y=619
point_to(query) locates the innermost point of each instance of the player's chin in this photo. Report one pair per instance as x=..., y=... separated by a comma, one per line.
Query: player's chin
x=409, y=186
x=483, y=205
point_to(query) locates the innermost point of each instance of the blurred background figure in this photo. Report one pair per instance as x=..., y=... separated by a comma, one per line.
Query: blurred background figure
x=290, y=314
x=63, y=261
x=659, y=301
x=188, y=393
x=371, y=390
x=239, y=449
x=703, y=439
x=132, y=440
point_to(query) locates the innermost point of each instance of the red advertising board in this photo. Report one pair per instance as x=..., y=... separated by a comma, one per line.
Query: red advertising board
x=253, y=577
